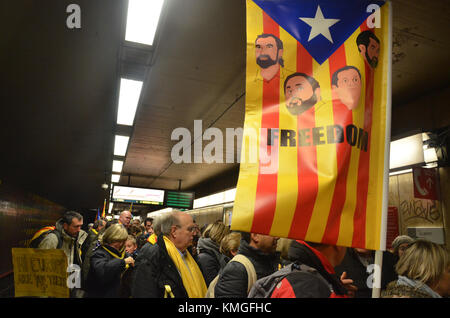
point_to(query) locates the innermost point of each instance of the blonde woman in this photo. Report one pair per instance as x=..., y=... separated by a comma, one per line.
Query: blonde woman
x=423, y=272
x=108, y=262
x=209, y=259
x=230, y=244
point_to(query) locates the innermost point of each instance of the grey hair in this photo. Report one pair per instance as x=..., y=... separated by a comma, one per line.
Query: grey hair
x=166, y=221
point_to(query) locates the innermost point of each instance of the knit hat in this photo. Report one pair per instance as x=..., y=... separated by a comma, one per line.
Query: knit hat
x=399, y=240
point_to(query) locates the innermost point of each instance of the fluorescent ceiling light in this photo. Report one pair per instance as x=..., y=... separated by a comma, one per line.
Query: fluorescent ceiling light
x=120, y=145
x=406, y=152
x=142, y=20
x=115, y=178
x=400, y=172
x=128, y=101
x=117, y=166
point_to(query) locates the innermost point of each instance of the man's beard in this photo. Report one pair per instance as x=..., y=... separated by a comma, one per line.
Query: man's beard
x=373, y=62
x=266, y=63
x=299, y=108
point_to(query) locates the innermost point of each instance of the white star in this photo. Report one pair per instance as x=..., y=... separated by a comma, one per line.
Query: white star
x=320, y=25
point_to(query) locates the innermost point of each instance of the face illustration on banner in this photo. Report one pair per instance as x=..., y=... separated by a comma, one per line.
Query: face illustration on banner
x=369, y=47
x=268, y=53
x=346, y=86
x=302, y=92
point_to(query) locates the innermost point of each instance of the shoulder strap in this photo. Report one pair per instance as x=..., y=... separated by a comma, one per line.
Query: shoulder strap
x=251, y=273
x=264, y=287
x=211, y=287
x=317, y=274
x=60, y=240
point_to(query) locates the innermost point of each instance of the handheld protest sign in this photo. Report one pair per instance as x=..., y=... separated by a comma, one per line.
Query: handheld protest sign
x=40, y=272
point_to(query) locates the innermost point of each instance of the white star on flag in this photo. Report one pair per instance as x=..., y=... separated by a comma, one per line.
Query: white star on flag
x=320, y=25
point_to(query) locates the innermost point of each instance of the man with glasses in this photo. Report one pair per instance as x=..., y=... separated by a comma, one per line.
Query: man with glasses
x=167, y=269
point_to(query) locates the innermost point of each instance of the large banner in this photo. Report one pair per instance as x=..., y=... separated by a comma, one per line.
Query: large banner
x=318, y=111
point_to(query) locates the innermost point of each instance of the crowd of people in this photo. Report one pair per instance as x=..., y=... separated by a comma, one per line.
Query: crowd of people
x=172, y=256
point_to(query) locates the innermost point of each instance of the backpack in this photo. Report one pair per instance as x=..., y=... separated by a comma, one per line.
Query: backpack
x=42, y=233
x=251, y=273
x=264, y=287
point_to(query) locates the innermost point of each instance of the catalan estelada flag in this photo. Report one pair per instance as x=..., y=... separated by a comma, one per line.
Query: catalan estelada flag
x=315, y=148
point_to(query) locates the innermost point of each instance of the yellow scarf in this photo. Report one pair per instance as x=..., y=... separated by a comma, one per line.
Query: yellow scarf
x=192, y=277
x=121, y=256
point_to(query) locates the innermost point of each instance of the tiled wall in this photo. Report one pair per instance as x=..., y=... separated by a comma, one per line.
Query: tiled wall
x=21, y=215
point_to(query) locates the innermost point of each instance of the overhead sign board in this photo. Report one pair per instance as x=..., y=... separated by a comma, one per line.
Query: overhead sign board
x=179, y=199
x=138, y=195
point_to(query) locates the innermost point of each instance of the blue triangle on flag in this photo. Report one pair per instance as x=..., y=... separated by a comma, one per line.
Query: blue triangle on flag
x=321, y=26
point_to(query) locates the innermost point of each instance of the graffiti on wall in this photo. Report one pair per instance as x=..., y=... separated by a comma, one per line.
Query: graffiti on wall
x=424, y=210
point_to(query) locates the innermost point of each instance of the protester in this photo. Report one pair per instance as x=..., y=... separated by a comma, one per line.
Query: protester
x=136, y=222
x=313, y=274
x=108, y=262
x=90, y=244
x=131, y=246
x=261, y=252
x=209, y=258
x=134, y=230
x=230, y=244
x=71, y=235
x=423, y=272
x=148, y=224
x=192, y=248
x=125, y=218
x=132, y=250
x=166, y=268
x=359, y=264
x=283, y=247
x=399, y=245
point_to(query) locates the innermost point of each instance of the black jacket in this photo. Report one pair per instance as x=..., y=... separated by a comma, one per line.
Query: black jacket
x=358, y=272
x=233, y=280
x=89, y=246
x=103, y=280
x=153, y=270
x=209, y=259
x=309, y=285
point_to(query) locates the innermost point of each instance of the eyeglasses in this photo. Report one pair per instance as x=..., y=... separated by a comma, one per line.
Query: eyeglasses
x=191, y=229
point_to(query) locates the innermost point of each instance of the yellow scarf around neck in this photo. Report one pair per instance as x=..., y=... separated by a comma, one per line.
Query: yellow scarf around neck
x=192, y=277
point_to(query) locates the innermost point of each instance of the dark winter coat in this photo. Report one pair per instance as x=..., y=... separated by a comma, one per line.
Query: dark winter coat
x=209, y=259
x=233, y=280
x=91, y=243
x=153, y=270
x=358, y=272
x=324, y=283
x=105, y=272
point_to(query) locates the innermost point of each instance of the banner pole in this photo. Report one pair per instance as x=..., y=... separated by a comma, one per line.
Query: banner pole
x=376, y=287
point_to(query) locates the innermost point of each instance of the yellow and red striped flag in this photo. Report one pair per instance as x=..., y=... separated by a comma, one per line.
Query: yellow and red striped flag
x=318, y=109
x=104, y=209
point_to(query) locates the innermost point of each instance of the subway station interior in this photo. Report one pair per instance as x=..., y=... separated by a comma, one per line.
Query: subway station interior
x=61, y=87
